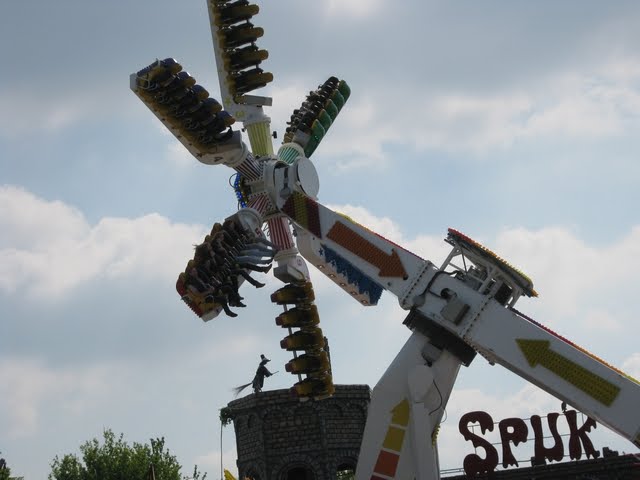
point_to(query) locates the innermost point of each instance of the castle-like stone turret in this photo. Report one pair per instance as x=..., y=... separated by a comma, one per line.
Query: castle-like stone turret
x=280, y=438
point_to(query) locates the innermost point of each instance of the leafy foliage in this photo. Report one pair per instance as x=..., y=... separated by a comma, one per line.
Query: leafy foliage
x=226, y=416
x=5, y=472
x=114, y=459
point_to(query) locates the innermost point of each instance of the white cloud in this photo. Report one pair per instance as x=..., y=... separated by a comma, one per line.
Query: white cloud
x=178, y=155
x=464, y=121
x=25, y=384
x=358, y=137
x=599, y=104
x=21, y=112
x=211, y=461
x=30, y=223
x=31, y=110
x=632, y=366
x=431, y=248
x=235, y=347
x=371, y=121
x=567, y=270
x=625, y=70
x=602, y=320
x=51, y=249
x=353, y=9
x=554, y=258
x=482, y=123
x=580, y=106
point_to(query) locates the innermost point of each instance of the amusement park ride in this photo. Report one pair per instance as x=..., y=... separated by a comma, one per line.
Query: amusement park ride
x=464, y=307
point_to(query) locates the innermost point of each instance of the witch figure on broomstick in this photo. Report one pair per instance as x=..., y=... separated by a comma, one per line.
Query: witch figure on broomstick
x=258, y=381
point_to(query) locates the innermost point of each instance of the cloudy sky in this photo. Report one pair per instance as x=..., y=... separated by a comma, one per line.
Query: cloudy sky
x=515, y=122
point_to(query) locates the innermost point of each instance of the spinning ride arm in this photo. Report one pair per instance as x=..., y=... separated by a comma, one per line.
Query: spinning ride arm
x=211, y=279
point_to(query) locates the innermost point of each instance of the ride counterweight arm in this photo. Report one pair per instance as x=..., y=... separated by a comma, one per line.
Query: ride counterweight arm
x=492, y=328
x=558, y=366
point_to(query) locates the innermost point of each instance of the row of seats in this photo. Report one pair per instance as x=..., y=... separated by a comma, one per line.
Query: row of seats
x=314, y=362
x=309, y=123
x=183, y=103
x=220, y=264
x=237, y=37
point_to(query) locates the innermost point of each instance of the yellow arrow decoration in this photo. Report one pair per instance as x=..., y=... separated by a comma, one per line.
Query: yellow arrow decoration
x=538, y=352
x=394, y=439
x=400, y=413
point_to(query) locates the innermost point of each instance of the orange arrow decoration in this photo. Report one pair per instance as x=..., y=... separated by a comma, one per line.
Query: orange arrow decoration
x=389, y=265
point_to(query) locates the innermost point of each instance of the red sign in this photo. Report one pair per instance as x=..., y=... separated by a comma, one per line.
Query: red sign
x=515, y=430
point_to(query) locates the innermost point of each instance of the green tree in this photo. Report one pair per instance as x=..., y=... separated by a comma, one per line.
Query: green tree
x=5, y=472
x=114, y=459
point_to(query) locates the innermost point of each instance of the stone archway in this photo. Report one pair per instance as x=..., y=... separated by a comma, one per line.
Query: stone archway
x=346, y=468
x=253, y=475
x=299, y=472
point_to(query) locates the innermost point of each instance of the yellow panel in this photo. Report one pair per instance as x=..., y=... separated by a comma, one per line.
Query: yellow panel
x=260, y=138
x=393, y=440
x=401, y=413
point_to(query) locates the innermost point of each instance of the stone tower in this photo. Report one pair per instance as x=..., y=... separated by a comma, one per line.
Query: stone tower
x=280, y=438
